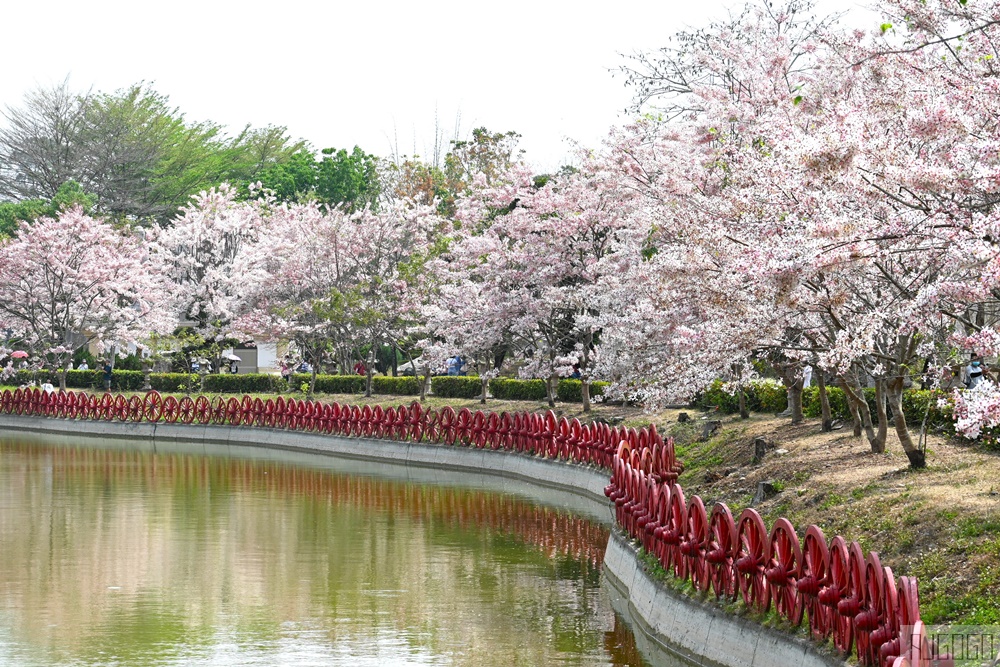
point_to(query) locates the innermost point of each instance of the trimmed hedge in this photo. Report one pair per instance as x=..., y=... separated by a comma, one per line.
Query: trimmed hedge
x=330, y=384
x=456, y=386
x=401, y=386
x=120, y=380
x=571, y=391
x=509, y=389
x=248, y=383
x=174, y=381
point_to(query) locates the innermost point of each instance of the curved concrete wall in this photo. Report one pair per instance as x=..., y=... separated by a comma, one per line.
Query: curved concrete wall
x=666, y=624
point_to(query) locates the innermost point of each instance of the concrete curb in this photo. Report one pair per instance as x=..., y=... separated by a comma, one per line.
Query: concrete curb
x=672, y=625
x=668, y=625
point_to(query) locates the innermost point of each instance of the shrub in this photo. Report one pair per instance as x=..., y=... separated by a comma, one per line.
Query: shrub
x=249, y=383
x=571, y=391
x=332, y=384
x=173, y=381
x=767, y=396
x=511, y=389
x=452, y=386
x=123, y=380
x=401, y=386
x=836, y=396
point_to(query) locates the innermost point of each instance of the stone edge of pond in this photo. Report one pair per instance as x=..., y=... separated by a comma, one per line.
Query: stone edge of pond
x=673, y=624
x=697, y=631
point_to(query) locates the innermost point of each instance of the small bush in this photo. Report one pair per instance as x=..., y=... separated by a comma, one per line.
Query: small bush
x=451, y=386
x=400, y=386
x=838, y=403
x=571, y=391
x=510, y=389
x=767, y=396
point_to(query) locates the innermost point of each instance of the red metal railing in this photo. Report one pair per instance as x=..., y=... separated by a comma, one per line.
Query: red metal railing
x=843, y=594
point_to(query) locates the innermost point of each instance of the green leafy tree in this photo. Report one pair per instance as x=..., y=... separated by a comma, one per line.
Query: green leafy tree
x=69, y=194
x=348, y=179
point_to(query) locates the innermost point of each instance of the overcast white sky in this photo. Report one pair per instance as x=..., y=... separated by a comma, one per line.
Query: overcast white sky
x=371, y=73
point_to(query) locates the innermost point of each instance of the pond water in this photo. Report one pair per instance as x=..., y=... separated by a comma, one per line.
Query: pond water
x=114, y=556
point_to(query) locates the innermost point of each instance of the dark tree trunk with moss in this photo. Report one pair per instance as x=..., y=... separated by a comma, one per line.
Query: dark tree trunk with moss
x=744, y=413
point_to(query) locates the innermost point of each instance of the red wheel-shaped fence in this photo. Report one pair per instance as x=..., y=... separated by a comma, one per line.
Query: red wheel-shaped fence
x=842, y=620
x=856, y=601
x=219, y=411
x=446, y=425
x=813, y=578
x=547, y=432
x=784, y=557
x=695, y=544
x=170, y=410
x=120, y=408
x=477, y=429
x=868, y=620
x=432, y=426
x=152, y=406
x=674, y=533
x=185, y=410
x=7, y=401
x=135, y=409
x=721, y=551
x=203, y=410
x=886, y=636
x=73, y=404
x=751, y=545
x=258, y=414
x=246, y=411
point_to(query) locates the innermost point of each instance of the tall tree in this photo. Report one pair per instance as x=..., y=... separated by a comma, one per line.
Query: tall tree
x=73, y=280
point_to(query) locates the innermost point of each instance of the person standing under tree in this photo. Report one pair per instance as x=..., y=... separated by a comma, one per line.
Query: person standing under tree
x=108, y=372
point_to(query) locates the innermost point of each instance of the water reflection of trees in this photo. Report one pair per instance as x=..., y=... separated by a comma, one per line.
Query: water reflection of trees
x=289, y=560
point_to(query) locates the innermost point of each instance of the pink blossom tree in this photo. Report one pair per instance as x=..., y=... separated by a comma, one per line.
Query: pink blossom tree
x=74, y=280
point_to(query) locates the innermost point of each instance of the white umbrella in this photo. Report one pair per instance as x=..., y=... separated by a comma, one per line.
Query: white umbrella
x=233, y=357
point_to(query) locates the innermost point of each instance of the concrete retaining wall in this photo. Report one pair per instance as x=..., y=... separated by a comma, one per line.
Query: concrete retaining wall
x=667, y=626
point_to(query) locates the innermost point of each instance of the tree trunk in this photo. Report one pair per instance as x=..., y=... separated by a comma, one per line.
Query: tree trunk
x=744, y=413
x=550, y=390
x=913, y=453
x=824, y=402
x=485, y=380
x=795, y=401
x=883, y=423
x=312, y=382
x=426, y=381
x=62, y=375
x=793, y=391
x=370, y=370
x=585, y=393
x=859, y=407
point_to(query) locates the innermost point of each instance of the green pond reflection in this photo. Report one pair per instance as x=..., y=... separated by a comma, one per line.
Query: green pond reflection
x=118, y=557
